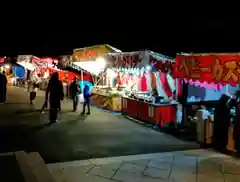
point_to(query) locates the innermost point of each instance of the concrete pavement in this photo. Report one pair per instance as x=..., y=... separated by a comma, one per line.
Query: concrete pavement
x=75, y=137
x=186, y=166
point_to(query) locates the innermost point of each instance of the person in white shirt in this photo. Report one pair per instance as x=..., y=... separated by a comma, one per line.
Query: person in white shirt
x=205, y=112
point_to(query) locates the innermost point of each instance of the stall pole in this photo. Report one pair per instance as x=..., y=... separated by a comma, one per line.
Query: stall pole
x=100, y=78
x=176, y=89
x=103, y=77
x=82, y=80
x=227, y=89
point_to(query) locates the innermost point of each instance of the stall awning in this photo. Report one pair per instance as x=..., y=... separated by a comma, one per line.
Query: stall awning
x=27, y=65
x=139, y=59
x=92, y=53
x=210, y=68
x=45, y=62
x=92, y=67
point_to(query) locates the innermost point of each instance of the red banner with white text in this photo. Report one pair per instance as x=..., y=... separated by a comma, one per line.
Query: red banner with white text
x=218, y=69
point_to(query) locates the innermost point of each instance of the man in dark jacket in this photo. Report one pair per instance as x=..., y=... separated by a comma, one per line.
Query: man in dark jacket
x=3, y=87
x=86, y=95
x=75, y=91
x=56, y=94
x=221, y=124
x=236, y=130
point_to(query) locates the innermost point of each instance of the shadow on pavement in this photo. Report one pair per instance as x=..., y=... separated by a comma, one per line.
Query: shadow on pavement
x=40, y=127
x=12, y=103
x=25, y=111
x=78, y=118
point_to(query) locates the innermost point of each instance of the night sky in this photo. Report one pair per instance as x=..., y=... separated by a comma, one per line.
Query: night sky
x=195, y=34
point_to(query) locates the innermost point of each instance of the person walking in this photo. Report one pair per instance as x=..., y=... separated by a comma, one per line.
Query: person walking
x=75, y=91
x=3, y=87
x=55, y=94
x=87, y=96
x=33, y=91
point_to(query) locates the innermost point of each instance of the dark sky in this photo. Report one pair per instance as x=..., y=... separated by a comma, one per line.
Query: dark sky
x=167, y=36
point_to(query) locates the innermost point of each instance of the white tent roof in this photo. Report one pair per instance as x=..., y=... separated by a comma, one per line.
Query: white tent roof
x=92, y=67
x=27, y=65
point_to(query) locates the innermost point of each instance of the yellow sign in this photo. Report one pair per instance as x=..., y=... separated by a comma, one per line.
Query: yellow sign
x=90, y=53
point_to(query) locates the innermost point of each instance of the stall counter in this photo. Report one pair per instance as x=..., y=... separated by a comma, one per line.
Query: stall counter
x=159, y=114
x=103, y=99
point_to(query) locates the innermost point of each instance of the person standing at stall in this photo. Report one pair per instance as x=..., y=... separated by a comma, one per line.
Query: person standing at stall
x=75, y=91
x=86, y=95
x=222, y=119
x=236, y=129
x=56, y=95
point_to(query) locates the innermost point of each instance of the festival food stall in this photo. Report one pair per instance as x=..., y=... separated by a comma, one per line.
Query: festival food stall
x=12, y=71
x=214, y=71
x=90, y=61
x=148, y=88
x=45, y=66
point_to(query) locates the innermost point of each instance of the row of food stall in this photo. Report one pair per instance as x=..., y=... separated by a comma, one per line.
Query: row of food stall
x=215, y=74
x=144, y=84
x=40, y=70
x=139, y=84
x=12, y=71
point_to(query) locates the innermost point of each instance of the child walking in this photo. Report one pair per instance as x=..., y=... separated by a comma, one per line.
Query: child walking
x=33, y=92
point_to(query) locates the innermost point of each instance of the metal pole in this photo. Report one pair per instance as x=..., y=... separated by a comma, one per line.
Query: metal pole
x=176, y=89
x=102, y=77
x=82, y=80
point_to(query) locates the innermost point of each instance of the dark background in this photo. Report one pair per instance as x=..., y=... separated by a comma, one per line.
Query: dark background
x=167, y=35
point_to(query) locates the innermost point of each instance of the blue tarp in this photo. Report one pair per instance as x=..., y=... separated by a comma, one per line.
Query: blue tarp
x=18, y=71
x=83, y=83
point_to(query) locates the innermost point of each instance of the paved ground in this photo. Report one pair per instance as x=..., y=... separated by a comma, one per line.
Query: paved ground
x=187, y=166
x=75, y=137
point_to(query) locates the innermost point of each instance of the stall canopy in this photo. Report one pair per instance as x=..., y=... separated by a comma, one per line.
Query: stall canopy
x=92, y=53
x=140, y=59
x=146, y=69
x=45, y=62
x=211, y=68
x=26, y=62
x=91, y=59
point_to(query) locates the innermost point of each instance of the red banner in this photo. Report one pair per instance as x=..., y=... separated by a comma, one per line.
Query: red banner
x=163, y=66
x=45, y=62
x=2, y=60
x=124, y=60
x=218, y=69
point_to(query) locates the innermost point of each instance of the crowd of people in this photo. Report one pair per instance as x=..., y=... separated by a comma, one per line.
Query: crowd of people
x=55, y=94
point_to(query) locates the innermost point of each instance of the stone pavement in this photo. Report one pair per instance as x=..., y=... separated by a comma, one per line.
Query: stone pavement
x=186, y=166
x=76, y=137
